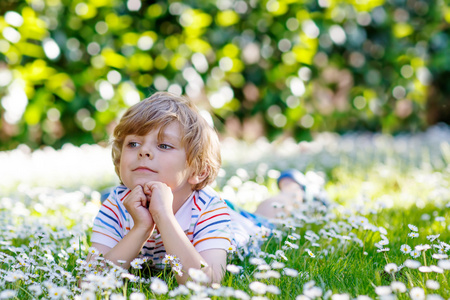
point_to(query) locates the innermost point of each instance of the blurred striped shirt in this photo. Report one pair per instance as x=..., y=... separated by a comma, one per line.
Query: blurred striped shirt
x=204, y=217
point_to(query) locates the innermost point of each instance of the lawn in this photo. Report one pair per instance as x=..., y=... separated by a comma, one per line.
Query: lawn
x=385, y=234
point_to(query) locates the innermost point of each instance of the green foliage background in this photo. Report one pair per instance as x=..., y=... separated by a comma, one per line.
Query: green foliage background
x=69, y=68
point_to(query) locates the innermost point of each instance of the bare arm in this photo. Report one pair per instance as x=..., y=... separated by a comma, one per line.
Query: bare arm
x=129, y=247
x=212, y=262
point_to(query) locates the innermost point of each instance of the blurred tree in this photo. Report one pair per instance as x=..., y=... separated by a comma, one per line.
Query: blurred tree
x=272, y=67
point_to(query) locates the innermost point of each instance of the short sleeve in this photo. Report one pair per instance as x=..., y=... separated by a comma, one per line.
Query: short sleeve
x=109, y=228
x=212, y=230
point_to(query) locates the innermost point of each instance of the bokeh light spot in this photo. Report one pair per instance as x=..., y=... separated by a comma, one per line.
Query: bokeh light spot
x=359, y=102
x=13, y=18
x=307, y=121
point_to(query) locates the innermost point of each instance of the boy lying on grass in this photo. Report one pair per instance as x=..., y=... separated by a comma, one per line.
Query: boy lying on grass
x=165, y=155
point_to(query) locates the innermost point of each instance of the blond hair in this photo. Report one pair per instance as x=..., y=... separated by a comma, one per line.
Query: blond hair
x=199, y=140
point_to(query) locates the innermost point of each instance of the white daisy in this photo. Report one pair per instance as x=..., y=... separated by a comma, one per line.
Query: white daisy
x=137, y=296
x=231, y=249
x=415, y=253
x=198, y=275
x=431, y=238
x=391, y=268
x=425, y=269
x=234, y=269
x=290, y=272
x=383, y=290
x=417, y=293
x=405, y=248
x=273, y=289
x=439, y=256
x=277, y=265
x=314, y=292
x=432, y=284
x=258, y=287
x=383, y=250
x=412, y=264
x=436, y=269
x=444, y=264
x=6, y=294
x=398, y=287
x=137, y=263
x=412, y=227
x=93, y=251
x=413, y=234
x=159, y=286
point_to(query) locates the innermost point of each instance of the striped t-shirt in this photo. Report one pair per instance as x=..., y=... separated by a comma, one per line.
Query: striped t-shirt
x=204, y=217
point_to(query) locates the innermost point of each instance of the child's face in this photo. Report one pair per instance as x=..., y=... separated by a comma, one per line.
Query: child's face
x=145, y=159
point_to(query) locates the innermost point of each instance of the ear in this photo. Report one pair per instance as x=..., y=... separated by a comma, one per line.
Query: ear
x=197, y=178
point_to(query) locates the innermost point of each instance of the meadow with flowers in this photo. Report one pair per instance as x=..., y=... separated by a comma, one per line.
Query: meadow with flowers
x=383, y=235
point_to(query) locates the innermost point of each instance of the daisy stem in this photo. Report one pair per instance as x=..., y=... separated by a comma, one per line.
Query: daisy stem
x=25, y=292
x=445, y=279
x=230, y=279
x=140, y=280
x=125, y=289
x=425, y=263
x=364, y=242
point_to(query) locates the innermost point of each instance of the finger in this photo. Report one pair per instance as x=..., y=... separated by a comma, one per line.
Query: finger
x=152, y=186
x=148, y=187
x=143, y=199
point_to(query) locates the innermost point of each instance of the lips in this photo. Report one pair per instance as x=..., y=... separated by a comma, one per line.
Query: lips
x=144, y=169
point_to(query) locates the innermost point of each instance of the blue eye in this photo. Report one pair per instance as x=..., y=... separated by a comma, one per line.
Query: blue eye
x=133, y=144
x=164, y=146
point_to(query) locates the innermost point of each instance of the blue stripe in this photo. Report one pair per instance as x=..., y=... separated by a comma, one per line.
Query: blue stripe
x=109, y=225
x=208, y=196
x=217, y=222
x=121, y=211
x=203, y=201
x=109, y=217
x=119, y=204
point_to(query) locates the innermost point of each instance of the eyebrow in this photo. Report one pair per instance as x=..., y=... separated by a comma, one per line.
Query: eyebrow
x=172, y=137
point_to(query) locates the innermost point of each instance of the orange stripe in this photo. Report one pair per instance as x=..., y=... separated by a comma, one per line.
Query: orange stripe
x=210, y=211
x=106, y=235
x=208, y=238
x=112, y=203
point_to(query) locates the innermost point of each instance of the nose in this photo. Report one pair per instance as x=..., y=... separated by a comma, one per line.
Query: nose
x=145, y=152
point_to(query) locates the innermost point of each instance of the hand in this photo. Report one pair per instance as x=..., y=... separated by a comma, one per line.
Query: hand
x=161, y=199
x=136, y=204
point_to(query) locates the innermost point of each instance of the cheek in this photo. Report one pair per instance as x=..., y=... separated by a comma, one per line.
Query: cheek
x=123, y=161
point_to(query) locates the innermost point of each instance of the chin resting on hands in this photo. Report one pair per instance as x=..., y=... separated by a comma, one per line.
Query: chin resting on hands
x=136, y=204
x=161, y=198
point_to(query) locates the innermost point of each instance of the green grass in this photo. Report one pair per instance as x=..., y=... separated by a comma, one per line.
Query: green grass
x=380, y=195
